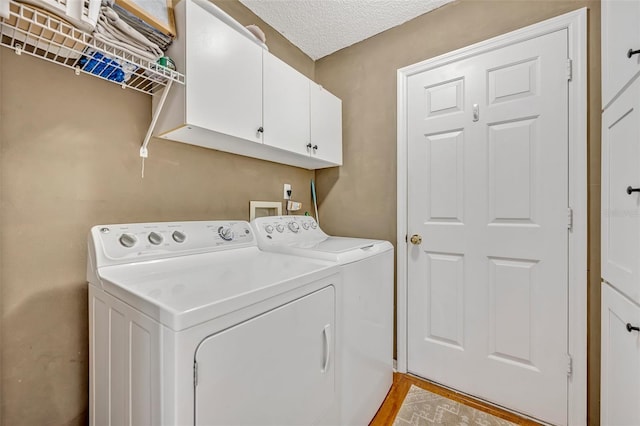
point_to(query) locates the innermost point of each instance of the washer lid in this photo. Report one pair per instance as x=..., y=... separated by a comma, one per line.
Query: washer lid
x=184, y=291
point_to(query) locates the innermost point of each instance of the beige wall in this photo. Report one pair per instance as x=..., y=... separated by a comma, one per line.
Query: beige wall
x=359, y=199
x=69, y=160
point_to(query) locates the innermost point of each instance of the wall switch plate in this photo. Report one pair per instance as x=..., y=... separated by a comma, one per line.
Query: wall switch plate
x=287, y=187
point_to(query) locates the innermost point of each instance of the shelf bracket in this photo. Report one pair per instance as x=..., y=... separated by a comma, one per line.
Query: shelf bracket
x=144, y=152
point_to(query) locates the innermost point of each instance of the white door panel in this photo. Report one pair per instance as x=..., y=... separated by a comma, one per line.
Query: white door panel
x=620, y=387
x=326, y=124
x=222, y=64
x=620, y=210
x=286, y=106
x=267, y=360
x=487, y=289
x=620, y=32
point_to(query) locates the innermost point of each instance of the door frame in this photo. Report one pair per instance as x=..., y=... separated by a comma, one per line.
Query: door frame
x=576, y=24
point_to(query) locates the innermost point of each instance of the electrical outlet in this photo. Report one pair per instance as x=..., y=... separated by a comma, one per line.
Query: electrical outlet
x=293, y=206
x=287, y=191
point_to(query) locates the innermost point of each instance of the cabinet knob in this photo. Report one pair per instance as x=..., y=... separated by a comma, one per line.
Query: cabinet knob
x=632, y=52
x=309, y=146
x=260, y=130
x=630, y=190
x=315, y=147
x=631, y=328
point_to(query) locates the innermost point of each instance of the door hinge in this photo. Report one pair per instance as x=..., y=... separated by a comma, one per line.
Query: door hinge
x=569, y=69
x=569, y=365
x=406, y=238
x=570, y=219
x=195, y=374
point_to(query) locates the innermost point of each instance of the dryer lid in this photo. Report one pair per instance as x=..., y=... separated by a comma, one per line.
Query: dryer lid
x=335, y=245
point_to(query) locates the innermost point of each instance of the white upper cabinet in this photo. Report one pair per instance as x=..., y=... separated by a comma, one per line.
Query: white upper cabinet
x=620, y=200
x=240, y=98
x=224, y=75
x=286, y=106
x=620, y=34
x=224, y=71
x=326, y=125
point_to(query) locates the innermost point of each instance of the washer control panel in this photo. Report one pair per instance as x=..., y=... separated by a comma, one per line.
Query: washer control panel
x=287, y=229
x=159, y=239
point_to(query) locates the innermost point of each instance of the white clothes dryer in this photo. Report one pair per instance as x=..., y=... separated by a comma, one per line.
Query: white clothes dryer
x=191, y=324
x=365, y=306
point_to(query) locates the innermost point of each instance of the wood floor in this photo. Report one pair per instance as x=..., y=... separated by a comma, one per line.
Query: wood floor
x=401, y=384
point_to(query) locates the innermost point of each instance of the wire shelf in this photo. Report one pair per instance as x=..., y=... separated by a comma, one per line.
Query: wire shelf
x=38, y=33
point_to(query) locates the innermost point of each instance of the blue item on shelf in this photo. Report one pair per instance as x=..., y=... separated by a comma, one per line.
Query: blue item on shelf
x=97, y=63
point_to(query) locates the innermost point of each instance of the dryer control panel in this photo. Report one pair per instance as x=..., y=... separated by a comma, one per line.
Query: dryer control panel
x=287, y=229
x=144, y=241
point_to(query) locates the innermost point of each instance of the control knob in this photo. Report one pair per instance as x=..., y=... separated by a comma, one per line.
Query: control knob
x=314, y=225
x=128, y=240
x=294, y=227
x=268, y=229
x=225, y=233
x=305, y=225
x=155, y=238
x=280, y=227
x=178, y=237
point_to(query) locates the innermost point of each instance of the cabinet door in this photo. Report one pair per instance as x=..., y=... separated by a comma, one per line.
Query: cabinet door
x=224, y=77
x=620, y=386
x=326, y=125
x=286, y=106
x=620, y=209
x=620, y=32
x=274, y=369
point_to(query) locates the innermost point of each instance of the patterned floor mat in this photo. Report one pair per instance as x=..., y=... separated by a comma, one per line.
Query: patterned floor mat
x=421, y=407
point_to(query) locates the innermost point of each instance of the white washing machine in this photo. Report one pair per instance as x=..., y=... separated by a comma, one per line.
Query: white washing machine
x=191, y=324
x=365, y=306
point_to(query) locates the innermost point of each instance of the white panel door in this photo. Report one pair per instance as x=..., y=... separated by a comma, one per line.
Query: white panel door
x=620, y=33
x=274, y=369
x=224, y=70
x=620, y=386
x=326, y=125
x=286, y=106
x=621, y=209
x=488, y=191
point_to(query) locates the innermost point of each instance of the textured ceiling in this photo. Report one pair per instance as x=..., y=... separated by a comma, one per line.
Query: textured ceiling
x=321, y=27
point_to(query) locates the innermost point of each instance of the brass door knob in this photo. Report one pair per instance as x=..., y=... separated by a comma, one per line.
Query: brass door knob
x=416, y=239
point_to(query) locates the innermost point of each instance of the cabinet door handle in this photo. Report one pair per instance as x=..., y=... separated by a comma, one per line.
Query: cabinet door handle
x=315, y=147
x=308, y=146
x=260, y=130
x=631, y=328
x=632, y=52
x=630, y=190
